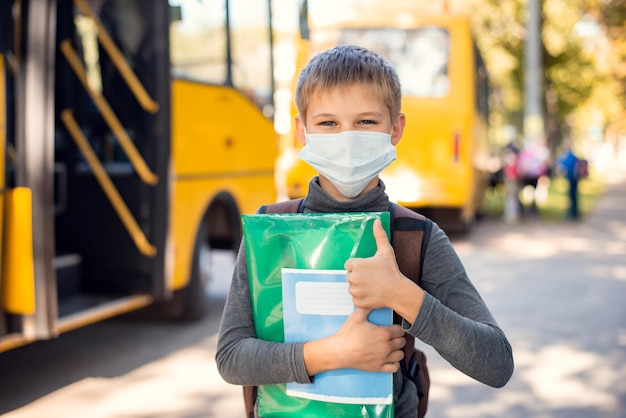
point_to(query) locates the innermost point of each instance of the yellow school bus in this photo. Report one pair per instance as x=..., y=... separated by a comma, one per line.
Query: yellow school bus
x=442, y=169
x=133, y=135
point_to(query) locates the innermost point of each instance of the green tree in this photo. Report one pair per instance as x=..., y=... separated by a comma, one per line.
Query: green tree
x=610, y=16
x=571, y=73
x=569, y=68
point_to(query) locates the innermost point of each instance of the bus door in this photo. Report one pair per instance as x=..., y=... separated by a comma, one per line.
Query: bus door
x=88, y=126
x=17, y=292
x=110, y=156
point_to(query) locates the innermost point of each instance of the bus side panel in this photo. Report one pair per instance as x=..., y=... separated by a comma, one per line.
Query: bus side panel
x=427, y=172
x=221, y=144
x=217, y=131
x=435, y=156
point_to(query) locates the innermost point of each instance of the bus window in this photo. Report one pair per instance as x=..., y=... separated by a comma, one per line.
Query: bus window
x=420, y=56
x=424, y=71
x=198, y=41
x=482, y=85
x=251, y=55
x=201, y=50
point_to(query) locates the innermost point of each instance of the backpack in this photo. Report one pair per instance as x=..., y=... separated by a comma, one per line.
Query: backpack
x=582, y=168
x=410, y=232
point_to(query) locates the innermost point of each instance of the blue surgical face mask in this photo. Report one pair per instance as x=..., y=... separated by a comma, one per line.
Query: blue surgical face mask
x=350, y=159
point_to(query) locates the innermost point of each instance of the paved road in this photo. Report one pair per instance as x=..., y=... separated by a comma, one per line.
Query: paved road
x=557, y=289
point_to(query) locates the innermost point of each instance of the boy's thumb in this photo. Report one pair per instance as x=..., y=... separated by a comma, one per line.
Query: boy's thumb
x=382, y=241
x=361, y=314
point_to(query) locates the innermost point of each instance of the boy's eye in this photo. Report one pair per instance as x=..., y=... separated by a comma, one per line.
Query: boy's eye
x=327, y=123
x=367, y=122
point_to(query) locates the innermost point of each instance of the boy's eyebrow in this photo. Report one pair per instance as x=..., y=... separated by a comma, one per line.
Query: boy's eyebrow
x=373, y=113
x=362, y=114
x=322, y=115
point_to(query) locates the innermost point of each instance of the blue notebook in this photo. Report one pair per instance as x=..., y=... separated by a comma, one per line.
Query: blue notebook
x=315, y=304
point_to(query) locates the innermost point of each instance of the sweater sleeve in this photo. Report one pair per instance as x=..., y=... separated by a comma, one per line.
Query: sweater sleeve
x=241, y=357
x=454, y=319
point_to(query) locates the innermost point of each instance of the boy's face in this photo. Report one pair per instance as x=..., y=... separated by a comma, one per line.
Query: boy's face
x=352, y=108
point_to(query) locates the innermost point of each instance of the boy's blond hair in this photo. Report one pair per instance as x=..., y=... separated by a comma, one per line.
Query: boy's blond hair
x=346, y=65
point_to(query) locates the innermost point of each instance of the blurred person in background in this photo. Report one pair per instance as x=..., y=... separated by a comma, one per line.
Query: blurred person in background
x=512, y=204
x=534, y=173
x=568, y=166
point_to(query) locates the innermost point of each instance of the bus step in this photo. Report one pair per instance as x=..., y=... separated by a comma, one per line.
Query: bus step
x=67, y=267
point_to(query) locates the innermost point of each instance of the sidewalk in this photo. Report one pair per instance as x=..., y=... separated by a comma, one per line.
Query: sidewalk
x=609, y=212
x=556, y=289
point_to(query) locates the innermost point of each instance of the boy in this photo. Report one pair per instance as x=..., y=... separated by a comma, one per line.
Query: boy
x=349, y=120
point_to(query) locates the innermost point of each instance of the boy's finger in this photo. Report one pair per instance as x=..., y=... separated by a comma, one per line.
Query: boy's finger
x=382, y=241
x=361, y=314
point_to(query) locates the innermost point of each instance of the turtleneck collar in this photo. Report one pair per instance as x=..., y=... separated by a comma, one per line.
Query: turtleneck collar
x=317, y=200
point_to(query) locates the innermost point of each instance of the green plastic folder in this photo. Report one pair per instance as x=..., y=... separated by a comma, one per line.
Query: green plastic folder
x=275, y=242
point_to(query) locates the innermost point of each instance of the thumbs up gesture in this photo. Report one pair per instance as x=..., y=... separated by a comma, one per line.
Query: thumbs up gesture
x=374, y=281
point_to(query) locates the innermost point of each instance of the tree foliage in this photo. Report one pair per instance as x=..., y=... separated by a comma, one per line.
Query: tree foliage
x=573, y=61
x=610, y=15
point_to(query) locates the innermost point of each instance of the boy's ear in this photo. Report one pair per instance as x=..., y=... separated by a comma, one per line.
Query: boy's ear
x=300, y=129
x=397, y=129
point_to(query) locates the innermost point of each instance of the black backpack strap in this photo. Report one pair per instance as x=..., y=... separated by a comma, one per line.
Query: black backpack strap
x=288, y=206
x=249, y=400
x=410, y=232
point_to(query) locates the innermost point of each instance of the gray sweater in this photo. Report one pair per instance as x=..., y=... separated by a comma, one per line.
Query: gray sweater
x=453, y=319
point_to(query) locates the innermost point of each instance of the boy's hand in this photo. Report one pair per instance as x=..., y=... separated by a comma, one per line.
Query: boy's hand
x=358, y=344
x=371, y=347
x=373, y=281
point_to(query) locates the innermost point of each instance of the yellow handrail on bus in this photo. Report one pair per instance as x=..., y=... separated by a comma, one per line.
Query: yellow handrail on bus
x=120, y=63
x=109, y=116
x=111, y=192
x=18, y=269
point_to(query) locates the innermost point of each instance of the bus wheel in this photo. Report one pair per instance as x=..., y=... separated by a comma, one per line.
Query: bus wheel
x=193, y=299
x=191, y=302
